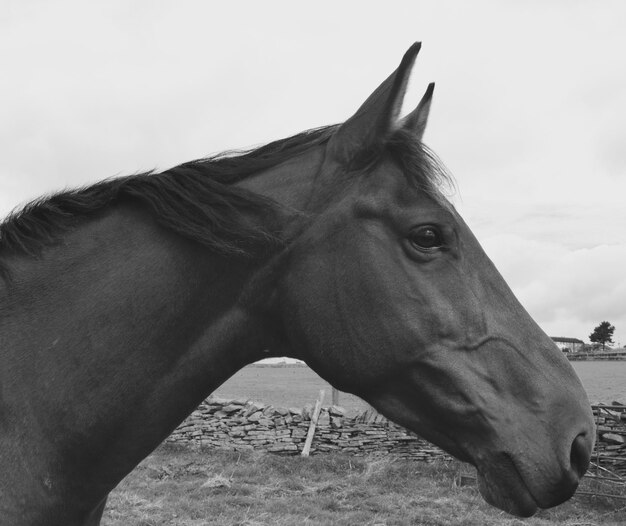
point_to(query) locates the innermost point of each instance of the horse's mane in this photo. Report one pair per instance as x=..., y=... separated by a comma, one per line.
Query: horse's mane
x=198, y=199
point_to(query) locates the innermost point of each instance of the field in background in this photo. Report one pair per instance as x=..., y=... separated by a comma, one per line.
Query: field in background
x=287, y=386
x=180, y=487
x=603, y=380
x=297, y=385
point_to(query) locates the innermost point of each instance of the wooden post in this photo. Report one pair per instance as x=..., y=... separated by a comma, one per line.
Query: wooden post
x=314, y=417
x=335, y=396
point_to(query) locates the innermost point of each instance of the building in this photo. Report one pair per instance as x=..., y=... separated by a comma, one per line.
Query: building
x=568, y=344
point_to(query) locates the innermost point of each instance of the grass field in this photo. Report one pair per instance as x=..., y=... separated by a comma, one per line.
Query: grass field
x=292, y=386
x=180, y=487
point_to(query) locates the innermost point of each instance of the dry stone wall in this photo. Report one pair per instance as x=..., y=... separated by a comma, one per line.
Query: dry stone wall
x=610, y=450
x=242, y=425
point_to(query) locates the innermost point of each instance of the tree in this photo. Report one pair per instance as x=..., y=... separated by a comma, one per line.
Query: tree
x=603, y=334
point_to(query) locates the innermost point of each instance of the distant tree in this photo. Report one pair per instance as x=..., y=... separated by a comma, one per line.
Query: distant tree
x=603, y=334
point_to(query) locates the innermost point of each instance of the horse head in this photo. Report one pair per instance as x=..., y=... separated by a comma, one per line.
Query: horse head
x=387, y=294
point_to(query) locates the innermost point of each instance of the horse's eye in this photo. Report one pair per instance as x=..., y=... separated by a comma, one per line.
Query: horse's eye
x=426, y=237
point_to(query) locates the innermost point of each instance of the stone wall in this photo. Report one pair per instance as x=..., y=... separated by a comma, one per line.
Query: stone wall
x=241, y=425
x=610, y=450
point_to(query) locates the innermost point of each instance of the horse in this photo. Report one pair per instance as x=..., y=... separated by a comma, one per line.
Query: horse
x=124, y=304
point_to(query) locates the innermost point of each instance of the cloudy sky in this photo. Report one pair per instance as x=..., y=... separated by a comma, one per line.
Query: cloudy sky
x=529, y=111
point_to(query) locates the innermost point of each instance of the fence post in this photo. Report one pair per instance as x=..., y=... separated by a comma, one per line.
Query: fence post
x=314, y=417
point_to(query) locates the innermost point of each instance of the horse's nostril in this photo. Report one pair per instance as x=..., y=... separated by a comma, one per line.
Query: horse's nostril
x=580, y=455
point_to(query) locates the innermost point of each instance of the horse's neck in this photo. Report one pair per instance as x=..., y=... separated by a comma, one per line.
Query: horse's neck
x=114, y=335
x=111, y=339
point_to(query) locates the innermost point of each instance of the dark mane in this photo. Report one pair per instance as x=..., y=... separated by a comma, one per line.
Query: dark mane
x=199, y=200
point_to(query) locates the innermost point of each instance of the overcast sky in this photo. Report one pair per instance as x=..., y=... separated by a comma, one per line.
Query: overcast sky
x=529, y=111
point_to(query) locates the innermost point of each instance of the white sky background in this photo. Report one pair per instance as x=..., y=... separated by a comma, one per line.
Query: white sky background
x=529, y=111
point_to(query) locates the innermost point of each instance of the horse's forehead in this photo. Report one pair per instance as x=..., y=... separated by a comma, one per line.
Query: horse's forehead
x=384, y=179
x=386, y=187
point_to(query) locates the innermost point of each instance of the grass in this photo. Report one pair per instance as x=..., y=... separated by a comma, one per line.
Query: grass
x=177, y=487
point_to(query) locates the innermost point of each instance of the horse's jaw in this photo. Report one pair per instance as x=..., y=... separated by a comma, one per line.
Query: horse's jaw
x=508, y=493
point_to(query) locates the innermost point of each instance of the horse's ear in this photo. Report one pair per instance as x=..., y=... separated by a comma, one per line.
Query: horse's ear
x=377, y=118
x=416, y=121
